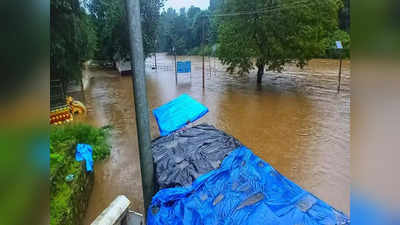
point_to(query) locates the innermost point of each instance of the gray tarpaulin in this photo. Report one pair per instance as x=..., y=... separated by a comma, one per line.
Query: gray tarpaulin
x=184, y=155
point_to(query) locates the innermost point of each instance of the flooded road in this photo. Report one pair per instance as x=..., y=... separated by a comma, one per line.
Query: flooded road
x=295, y=121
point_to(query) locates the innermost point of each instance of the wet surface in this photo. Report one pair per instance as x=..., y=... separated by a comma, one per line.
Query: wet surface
x=295, y=121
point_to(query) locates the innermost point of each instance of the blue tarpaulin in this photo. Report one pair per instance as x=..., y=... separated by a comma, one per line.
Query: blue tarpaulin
x=84, y=152
x=244, y=190
x=177, y=113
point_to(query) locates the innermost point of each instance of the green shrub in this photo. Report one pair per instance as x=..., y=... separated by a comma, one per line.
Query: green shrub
x=68, y=199
x=332, y=52
x=73, y=134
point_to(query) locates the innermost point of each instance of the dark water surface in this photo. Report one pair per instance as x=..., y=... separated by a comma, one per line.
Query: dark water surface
x=295, y=121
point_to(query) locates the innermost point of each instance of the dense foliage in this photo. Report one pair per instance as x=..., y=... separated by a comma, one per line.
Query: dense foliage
x=97, y=29
x=110, y=20
x=67, y=199
x=72, y=40
x=274, y=33
x=94, y=29
x=80, y=133
x=184, y=30
x=344, y=16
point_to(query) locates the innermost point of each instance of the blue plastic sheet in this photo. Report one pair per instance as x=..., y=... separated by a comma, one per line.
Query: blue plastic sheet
x=84, y=152
x=244, y=190
x=177, y=113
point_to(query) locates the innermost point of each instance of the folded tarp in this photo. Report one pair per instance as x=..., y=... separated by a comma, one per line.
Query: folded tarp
x=84, y=152
x=177, y=113
x=184, y=155
x=244, y=190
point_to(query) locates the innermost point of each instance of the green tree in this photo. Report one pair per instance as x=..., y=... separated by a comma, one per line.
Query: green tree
x=110, y=19
x=192, y=31
x=273, y=33
x=72, y=40
x=184, y=30
x=166, y=36
x=344, y=16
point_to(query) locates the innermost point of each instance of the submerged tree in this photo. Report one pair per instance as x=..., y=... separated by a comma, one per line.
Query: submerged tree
x=270, y=33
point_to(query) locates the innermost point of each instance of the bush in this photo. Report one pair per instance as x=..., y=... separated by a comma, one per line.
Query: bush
x=332, y=52
x=68, y=200
x=72, y=134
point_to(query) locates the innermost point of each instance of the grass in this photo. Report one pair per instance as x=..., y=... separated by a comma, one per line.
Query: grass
x=69, y=199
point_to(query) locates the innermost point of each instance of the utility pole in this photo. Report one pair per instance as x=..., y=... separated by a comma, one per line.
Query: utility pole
x=209, y=65
x=340, y=72
x=176, y=72
x=155, y=55
x=339, y=48
x=202, y=42
x=141, y=106
x=155, y=60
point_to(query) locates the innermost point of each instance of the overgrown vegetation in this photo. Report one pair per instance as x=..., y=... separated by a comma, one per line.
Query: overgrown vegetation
x=259, y=33
x=94, y=29
x=184, y=30
x=73, y=134
x=275, y=33
x=332, y=52
x=110, y=21
x=97, y=29
x=72, y=40
x=68, y=200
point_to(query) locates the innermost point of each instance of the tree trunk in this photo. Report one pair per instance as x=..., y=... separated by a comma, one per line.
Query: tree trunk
x=260, y=73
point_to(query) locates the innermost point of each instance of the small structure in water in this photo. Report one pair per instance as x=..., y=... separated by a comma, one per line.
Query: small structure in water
x=124, y=67
x=122, y=64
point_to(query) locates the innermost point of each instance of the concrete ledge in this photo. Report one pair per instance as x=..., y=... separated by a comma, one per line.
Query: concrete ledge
x=114, y=213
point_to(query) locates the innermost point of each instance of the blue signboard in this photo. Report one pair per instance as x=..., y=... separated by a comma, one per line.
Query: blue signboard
x=339, y=45
x=184, y=67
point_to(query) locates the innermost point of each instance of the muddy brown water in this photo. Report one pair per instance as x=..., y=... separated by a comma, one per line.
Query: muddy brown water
x=295, y=121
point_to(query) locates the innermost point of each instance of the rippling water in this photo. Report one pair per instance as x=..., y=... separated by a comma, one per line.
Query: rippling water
x=295, y=121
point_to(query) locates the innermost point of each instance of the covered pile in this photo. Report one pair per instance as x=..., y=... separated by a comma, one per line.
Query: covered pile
x=182, y=156
x=244, y=190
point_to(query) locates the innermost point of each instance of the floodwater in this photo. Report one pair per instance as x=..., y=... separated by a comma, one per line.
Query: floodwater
x=295, y=120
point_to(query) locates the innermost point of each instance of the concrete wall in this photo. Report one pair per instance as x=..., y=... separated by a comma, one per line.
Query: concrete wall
x=115, y=213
